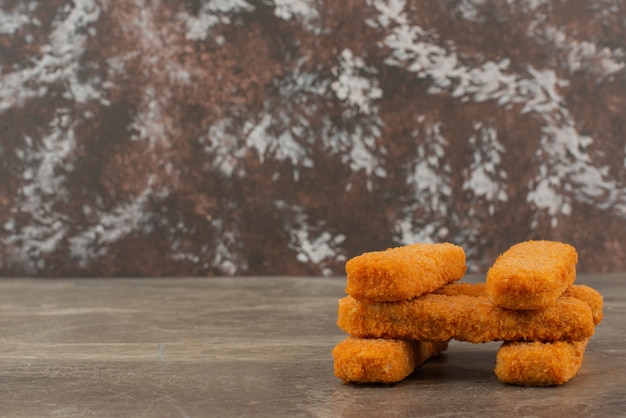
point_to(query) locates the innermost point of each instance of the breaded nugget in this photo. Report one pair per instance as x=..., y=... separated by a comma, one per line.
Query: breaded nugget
x=381, y=360
x=579, y=291
x=404, y=273
x=461, y=288
x=590, y=296
x=475, y=319
x=539, y=364
x=532, y=274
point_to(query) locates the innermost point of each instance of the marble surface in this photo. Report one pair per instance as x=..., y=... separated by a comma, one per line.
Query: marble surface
x=258, y=347
x=283, y=137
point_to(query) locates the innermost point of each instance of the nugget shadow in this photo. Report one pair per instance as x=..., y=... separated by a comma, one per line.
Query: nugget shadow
x=462, y=362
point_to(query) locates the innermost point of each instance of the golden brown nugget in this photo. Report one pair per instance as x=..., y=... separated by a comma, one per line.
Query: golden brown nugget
x=434, y=317
x=404, y=273
x=590, y=296
x=579, y=291
x=381, y=360
x=462, y=288
x=532, y=274
x=539, y=364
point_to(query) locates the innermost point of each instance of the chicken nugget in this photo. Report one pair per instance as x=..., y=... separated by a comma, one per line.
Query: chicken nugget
x=475, y=319
x=531, y=274
x=590, y=296
x=539, y=364
x=457, y=288
x=405, y=272
x=380, y=360
x=579, y=291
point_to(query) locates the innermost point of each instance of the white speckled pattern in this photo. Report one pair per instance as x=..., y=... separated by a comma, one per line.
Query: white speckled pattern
x=273, y=137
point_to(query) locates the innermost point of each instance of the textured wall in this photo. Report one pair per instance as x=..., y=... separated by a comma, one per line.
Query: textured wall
x=240, y=137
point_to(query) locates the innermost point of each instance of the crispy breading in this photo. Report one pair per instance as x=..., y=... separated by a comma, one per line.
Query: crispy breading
x=539, y=364
x=475, y=319
x=531, y=274
x=404, y=305
x=405, y=272
x=579, y=291
x=462, y=288
x=590, y=296
x=380, y=360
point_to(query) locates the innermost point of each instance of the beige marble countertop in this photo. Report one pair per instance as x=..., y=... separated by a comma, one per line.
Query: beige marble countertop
x=254, y=347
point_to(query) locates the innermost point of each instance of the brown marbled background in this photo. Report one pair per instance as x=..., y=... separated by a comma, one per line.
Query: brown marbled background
x=258, y=137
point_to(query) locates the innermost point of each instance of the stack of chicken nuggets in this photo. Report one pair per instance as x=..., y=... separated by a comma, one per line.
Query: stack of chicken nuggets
x=404, y=305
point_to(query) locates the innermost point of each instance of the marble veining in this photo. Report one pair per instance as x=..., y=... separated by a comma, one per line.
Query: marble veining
x=255, y=347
